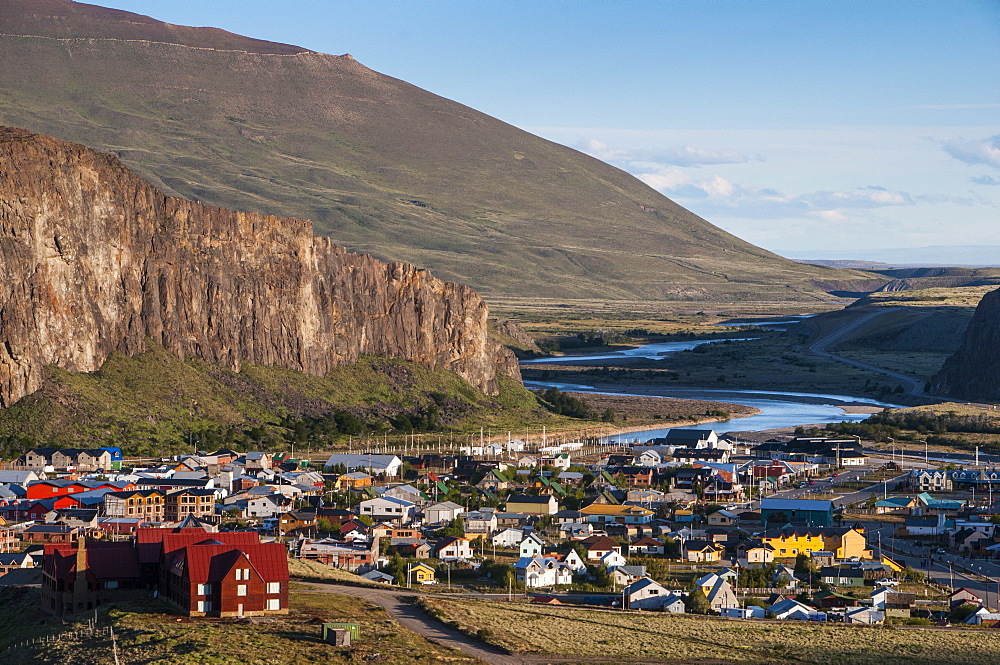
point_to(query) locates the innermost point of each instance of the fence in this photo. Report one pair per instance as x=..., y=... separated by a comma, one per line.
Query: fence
x=74, y=635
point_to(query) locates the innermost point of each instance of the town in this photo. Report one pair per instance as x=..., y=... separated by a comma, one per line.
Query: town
x=792, y=528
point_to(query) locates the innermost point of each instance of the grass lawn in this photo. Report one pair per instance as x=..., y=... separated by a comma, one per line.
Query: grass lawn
x=617, y=637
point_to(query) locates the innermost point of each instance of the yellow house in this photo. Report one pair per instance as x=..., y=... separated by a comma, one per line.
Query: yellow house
x=844, y=542
x=601, y=513
x=420, y=573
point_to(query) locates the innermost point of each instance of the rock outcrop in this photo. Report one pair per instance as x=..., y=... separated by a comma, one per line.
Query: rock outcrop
x=973, y=372
x=94, y=260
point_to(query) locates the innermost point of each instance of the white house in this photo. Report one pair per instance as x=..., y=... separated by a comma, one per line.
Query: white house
x=452, y=548
x=388, y=508
x=509, y=537
x=515, y=445
x=613, y=559
x=532, y=545
x=645, y=594
x=790, y=609
x=863, y=615
x=751, y=612
x=573, y=561
x=445, y=511
x=650, y=457
x=540, y=571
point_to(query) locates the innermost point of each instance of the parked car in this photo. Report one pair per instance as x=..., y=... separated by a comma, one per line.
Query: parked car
x=885, y=581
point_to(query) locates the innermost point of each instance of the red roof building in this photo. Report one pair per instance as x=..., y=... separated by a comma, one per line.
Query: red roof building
x=202, y=573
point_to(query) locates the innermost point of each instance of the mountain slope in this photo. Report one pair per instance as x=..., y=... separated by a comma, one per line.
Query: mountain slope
x=973, y=372
x=381, y=166
x=96, y=261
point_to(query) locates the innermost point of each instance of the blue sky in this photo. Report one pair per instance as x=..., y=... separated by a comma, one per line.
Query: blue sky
x=815, y=129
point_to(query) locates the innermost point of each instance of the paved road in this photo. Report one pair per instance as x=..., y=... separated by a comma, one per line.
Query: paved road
x=411, y=616
x=913, y=386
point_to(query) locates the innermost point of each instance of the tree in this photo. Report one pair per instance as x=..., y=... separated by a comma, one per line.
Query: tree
x=455, y=528
x=697, y=602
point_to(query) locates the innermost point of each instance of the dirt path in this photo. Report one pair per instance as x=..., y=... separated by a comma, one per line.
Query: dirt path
x=414, y=618
x=913, y=386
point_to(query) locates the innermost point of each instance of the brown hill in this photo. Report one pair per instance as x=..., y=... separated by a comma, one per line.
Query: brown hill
x=378, y=164
x=96, y=261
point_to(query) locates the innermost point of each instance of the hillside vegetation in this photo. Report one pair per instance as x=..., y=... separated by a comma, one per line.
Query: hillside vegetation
x=381, y=166
x=155, y=403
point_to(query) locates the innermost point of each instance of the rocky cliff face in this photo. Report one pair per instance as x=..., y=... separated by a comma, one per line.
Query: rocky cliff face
x=973, y=373
x=95, y=260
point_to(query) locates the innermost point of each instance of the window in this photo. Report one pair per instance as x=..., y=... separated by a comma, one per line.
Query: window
x=274, y=604
x=241, y=590
x=111, y=584
x=274, y=587
x=204, y=589
x=204, y=606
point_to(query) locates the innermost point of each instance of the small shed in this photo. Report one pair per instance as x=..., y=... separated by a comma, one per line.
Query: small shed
x=341, y=634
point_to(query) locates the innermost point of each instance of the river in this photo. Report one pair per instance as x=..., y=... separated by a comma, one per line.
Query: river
x=777, y=408
x=657, y=351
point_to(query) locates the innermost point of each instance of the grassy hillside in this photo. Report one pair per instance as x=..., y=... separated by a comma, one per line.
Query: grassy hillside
x=381, y=166
x=645, y=637
x=154, y=403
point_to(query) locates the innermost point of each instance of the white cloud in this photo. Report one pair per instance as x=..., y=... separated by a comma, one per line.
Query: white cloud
x=987, y=180
x=984, y=151
x=833, y=216
x=677, y=155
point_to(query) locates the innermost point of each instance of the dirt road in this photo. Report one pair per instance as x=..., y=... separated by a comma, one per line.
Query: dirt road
x=412, y=617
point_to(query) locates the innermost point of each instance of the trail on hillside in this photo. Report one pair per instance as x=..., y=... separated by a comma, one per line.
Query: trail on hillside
x=913, y=386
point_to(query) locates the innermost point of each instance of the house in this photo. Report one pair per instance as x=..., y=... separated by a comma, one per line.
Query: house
x=933, y=525
x=612, y=559
x=420, y=573
x=378, y=465
x=355, y=480
x=411, y=548
x=983, y=617
x=722, y=518
x=572, y=560
x=645, y=594
x=790, y=609
x=864, y=615
x=379, y=576
x=509, y=537
x=50, y=533
x=540, y=571
x=751, y=612
x=721, y=595
x=598, y=546
x=346, y=555
x=451, y=548
x=650, y=457
x=963, y=595
x=895, y=505
x=690, y=455
x=844, y=542
x=755, y=551
x=480, y=521
x=445, y=511
x=295, y=520
x=16, y=561
x=810, y=512
x=892, y=602
x=211, y=578
x=602, y=513
x=178, y=504
x=701, y=551
x=532, y=505
x=531, y=545
x=624, y=575
x=842, y=575
x=931, y=480
x=397, y=511
x=646, y=547
x=826, y=598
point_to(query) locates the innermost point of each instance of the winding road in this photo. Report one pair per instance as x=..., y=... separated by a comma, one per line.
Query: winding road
x=913, y=386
